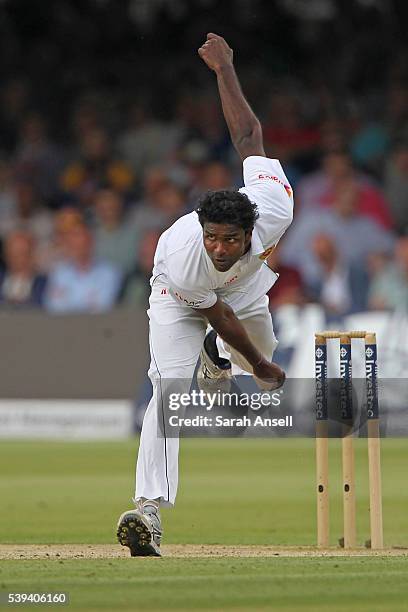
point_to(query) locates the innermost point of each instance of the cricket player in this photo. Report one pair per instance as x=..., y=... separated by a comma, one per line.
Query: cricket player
x=209, y=270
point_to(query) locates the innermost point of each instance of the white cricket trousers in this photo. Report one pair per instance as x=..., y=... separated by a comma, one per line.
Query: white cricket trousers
x=176, y=337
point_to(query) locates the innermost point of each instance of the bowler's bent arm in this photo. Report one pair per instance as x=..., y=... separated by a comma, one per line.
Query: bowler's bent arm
x=224, y=321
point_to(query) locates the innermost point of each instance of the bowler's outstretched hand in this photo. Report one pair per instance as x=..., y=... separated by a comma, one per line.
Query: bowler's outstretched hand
x=215, y=52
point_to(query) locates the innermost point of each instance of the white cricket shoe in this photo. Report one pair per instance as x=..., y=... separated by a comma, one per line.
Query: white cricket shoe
x=140, y=529
x=214, y=372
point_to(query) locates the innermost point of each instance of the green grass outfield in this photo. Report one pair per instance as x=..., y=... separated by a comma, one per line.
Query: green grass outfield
x=232, y=492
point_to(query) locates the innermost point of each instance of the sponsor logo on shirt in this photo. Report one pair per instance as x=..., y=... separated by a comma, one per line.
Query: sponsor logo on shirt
x=266, y=253
x=231, y=280
x=275, y=178
x=190, y=303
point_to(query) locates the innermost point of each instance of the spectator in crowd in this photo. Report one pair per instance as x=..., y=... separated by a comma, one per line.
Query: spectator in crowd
x=65, y=220
x=369, y=144
x=37, y=159
x=287, y=136
x=165, y=205
x=28, y=213
x=355, y=236
x=397, y=111
x=342, y=288
x=370, y=201
x=7, y=195
x=313, y=188
x=115, y=235
x=319, y=189
x=396, y=185
x=210, y=176
x=96, y=166
x=136, y=288
x=333, y=135
x=13, y=104
x=209, y=127
x=146, y=141
x=192, y=159
x=20, y=283
x=86, y=118
x=216, y=175
x=80, y=283
x=154, y=178
x=389, y=287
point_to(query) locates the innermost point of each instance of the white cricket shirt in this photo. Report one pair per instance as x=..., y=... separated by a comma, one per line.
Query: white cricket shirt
x=181, y=262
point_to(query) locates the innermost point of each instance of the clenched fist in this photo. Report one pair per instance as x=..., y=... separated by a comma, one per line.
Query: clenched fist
x=216, y=52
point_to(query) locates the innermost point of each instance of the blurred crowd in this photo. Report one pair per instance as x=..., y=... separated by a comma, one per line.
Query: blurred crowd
x=85, y=193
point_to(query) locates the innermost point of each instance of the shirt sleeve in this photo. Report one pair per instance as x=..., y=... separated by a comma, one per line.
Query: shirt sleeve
x=267, y=186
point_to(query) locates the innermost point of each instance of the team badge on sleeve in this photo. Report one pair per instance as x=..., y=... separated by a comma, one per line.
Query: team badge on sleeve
x=266, y=253
x=288, y=190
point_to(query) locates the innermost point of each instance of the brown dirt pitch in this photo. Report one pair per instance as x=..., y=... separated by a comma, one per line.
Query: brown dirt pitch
x=111, y=551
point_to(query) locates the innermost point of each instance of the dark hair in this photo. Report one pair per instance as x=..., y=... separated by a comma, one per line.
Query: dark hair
x=230, y=207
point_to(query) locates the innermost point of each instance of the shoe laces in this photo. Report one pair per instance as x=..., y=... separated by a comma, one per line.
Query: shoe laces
x=152, y=509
